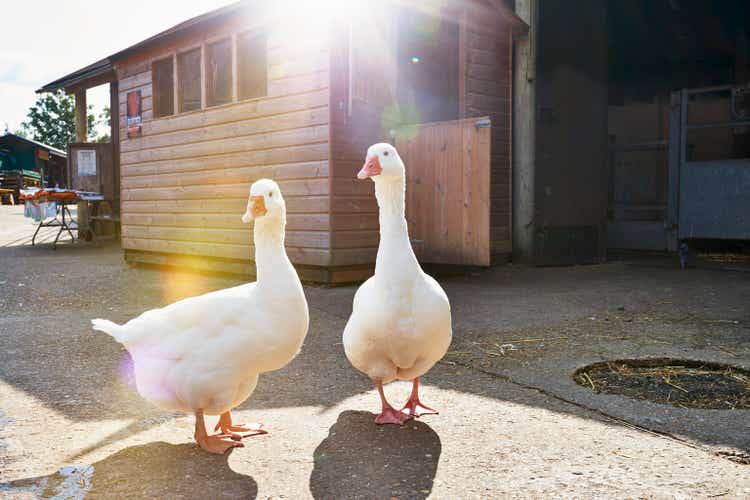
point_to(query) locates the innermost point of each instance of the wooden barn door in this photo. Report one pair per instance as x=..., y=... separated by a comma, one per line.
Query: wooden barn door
x=448, y=190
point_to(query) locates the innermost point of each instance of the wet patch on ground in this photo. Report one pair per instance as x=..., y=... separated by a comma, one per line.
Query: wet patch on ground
x=68, y=483
x=682, y=383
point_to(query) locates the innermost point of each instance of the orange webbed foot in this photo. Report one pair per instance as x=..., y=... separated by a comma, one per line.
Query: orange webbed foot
x=218, y=444
x=235, y=431
x=391, y=416
x=417, y=409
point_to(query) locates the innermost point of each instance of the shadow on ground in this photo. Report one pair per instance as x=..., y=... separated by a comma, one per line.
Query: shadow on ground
x=154, y=470
x=359, y=459
x=48, y=351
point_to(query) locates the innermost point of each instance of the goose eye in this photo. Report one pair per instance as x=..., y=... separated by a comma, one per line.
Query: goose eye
x=270, y=194
x=385, y=153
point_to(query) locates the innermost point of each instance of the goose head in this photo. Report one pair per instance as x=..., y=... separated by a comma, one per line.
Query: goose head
x=265, y=202
x=382, y=163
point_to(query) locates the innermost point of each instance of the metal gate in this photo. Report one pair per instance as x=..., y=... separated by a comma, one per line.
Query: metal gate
x=638, y=196
x=448, y=190
x=695, y=185
x=714, y=163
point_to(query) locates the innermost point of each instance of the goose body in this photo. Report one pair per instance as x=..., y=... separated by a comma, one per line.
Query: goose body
x=204, y=354
x=400, y=324
x=207, y=351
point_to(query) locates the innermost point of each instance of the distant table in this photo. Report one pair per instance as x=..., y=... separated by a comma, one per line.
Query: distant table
x=60, y=221
x=63, y=219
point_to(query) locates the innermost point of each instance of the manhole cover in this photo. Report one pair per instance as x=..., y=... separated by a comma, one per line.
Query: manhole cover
x=683, y=383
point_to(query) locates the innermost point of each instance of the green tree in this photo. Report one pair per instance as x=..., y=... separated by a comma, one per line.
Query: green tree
x=104, y=121
x=52, y=120
x=19, y=132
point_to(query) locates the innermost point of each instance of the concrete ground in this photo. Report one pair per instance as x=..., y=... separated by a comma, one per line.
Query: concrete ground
x=512, y=424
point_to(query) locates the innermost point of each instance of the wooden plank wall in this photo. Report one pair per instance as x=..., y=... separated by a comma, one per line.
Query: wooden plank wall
x=354, y=210
x=185, y=182
x=488, y=93
x=448, y=191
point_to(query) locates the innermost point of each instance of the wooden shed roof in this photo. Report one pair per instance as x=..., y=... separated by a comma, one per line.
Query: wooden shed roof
x=105, y=66
x=103, y=70
x=17, y=138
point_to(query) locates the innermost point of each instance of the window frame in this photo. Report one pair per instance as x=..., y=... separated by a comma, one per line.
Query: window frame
x=253, y=33
x=155, y=96
x=178, y=80
x=207, y=44
x=234, y=39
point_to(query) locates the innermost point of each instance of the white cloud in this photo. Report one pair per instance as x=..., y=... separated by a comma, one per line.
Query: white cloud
x=42, y=40
x=15, y=101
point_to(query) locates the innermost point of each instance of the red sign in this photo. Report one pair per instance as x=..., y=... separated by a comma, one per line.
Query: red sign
x=134, y=113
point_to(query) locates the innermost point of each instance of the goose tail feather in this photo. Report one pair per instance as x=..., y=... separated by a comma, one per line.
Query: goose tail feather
x=110, y=328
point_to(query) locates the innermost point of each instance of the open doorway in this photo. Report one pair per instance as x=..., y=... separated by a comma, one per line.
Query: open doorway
x=427, y=53
x=679, y=75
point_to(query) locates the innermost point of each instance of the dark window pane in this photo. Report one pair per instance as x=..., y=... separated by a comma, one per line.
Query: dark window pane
x=162, y=75
x=427, y=60
x=720, y=143
x=189, y=80
x=219, y=73
x=251, y=65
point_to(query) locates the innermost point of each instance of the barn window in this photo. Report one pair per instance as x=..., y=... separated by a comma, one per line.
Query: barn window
x=219, y=73
x=163, y=87
x=189, y=80
x=251, y=65
x=427, y=51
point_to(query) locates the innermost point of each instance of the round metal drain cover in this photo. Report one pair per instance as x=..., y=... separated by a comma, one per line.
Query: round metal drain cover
x=682, y=383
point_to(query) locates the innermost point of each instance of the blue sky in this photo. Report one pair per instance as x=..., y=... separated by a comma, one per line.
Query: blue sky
x=42, y=40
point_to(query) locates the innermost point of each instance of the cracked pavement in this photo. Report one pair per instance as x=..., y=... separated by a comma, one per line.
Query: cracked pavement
x=513, y=423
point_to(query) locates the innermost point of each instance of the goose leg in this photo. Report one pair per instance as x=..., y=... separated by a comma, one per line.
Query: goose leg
x=388, y=414
x=231, y=430
x=414, y=405
x=212, y=444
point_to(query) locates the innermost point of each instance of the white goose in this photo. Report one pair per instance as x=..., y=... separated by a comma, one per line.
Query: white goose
x=203, y=354
x=401, y=319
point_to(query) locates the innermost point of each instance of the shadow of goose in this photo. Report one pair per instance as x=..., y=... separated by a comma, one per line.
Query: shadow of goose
x=154, y=470
x=359, y=459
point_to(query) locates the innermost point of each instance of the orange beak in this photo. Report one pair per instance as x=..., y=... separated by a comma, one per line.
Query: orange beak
x=256, y=207
x=371, y=168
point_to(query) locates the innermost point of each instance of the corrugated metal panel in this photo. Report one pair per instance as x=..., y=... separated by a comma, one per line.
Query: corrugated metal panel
x=715, y=200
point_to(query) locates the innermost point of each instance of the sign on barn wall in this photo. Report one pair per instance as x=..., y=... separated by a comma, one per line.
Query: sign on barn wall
x=134, y=113
x=86, y=162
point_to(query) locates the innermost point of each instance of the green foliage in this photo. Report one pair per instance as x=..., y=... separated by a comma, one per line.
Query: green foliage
x=105, y=116
x=400, y=120
x=103, y=121
x=19, y=132
x=52, y=120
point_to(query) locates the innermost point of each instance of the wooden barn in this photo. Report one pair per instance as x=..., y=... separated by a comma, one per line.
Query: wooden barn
x=28, y=163
x=297, y=92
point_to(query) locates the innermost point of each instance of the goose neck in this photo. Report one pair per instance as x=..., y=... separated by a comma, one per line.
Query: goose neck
x=270, y=254
x=395, y=254
x=391, y=202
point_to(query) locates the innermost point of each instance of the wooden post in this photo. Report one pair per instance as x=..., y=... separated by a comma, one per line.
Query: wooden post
x=81, y=122
x=114, y=117
x=462, y=49
x=175, y=87
x=203, y=77
x=235, y=77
